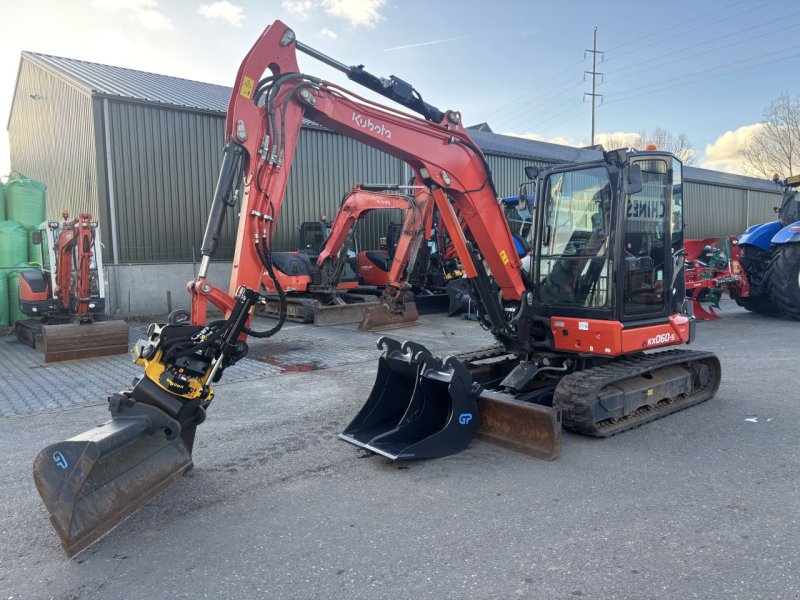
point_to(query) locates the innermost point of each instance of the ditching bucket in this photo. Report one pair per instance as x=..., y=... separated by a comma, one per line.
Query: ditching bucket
x=382, y=316
x=94, y=481
x=419, y=407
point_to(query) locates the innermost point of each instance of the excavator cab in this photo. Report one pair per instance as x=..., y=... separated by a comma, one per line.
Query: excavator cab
x=609, y=239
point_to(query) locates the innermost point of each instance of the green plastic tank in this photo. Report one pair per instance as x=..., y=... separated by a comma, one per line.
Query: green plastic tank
x=25, y=201
x=13, y=243
x=12, y=279
x=2, y=200
x=3, y=298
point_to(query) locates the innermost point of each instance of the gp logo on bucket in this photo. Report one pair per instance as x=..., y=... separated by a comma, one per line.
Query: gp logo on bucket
x=465, y=418
x=60, y=460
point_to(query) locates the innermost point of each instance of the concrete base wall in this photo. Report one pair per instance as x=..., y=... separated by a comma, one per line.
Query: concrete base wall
x=156, y=289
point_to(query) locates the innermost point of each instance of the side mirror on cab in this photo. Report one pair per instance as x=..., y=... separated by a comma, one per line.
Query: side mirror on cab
x=632, y=175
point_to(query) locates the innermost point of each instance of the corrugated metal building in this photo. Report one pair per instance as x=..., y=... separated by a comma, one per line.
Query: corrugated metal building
x=141, y=151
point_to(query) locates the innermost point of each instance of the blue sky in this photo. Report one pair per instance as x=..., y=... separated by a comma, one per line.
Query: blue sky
x=706, y=69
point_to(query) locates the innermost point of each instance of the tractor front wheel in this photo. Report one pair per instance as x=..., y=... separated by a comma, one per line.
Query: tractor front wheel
x=783, y=276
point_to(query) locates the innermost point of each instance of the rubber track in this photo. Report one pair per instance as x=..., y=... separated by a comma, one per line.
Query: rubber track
x=577, y=392
x=485, y=353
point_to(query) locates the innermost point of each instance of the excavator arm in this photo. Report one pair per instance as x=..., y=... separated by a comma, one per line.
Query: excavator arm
x=357, y=203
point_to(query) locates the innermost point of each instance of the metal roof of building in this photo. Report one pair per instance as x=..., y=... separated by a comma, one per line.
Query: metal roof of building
x=106, y=80
x=708, y=176
x=142, y=86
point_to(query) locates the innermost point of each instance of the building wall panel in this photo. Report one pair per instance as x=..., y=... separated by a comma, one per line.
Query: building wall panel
x=52, y=139
x=165, y=164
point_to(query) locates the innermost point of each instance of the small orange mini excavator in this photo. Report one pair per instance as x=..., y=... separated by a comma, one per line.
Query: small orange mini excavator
x=66, y=295
x=313, y=282
x=575, y=331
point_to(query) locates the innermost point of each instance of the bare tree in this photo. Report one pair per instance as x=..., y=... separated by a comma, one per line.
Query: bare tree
x=662, y=139
x=679, y=144
x=774, y=147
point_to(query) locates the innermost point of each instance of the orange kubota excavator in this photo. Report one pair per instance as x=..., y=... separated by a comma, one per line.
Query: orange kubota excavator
x=66, y=295
x=572, y=331
x=313, y=285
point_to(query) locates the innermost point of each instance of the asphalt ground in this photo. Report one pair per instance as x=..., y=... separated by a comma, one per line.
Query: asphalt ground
x=702, y=504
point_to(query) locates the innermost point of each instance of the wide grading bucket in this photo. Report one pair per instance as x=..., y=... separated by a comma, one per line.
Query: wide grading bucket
x=94, y=481
x=420, y=406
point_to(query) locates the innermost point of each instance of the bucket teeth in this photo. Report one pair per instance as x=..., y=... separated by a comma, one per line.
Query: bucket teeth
x=420, y=406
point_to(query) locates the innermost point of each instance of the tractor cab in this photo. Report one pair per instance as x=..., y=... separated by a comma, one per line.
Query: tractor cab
x=789, y=210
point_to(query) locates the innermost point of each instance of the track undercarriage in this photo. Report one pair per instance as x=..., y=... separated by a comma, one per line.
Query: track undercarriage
x=600, y=397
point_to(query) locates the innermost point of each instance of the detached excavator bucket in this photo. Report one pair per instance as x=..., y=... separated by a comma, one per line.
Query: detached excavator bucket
x=419, y=407
x=94, y=481
x=382, y=316
x=68, y=342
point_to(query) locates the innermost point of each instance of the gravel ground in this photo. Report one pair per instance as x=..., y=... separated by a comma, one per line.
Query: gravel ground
x=702, y=504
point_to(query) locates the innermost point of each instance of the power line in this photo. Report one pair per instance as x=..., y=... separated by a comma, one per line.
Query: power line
x=615, y=98
x=685, y=31
x=555, y=103
x=693, y=19
x=507, y=111
x=650, y=64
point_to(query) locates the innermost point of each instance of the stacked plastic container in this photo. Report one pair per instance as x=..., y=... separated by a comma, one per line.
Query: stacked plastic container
x=22, y=210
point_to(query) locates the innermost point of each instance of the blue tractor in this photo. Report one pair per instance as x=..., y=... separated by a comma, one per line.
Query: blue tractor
x=770, y=258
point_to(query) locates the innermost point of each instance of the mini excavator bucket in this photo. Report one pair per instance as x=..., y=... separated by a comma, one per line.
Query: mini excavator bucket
x=94, y=481
x=419, y=407
x=382, y=316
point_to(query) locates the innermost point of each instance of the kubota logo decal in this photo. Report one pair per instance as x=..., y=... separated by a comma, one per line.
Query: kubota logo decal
x=376, y=128
x=382, y=202
x=662, y=338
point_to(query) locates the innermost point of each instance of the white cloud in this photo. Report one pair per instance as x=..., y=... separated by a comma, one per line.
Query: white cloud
x=723, y=153
x=124, y=4
x=144, y=12
x=358, y=12
x=152, y=19
x=299, y=8
x=224, y=11
x=325, y=32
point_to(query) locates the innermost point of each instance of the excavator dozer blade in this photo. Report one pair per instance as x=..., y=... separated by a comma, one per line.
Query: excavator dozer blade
x=94, y=481
x=381, y=316
x=520, y=426
x=68, y=342
x=419, y=407
x=340, y=314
